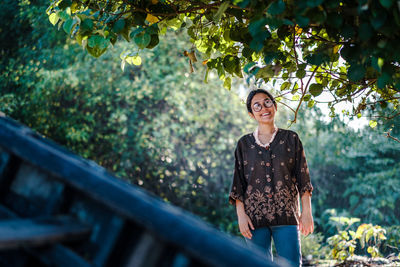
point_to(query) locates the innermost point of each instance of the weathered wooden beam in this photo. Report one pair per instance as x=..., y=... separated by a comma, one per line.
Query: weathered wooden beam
x=146, y=253
x=58, y=255
x=16, y=233
x=54, y=255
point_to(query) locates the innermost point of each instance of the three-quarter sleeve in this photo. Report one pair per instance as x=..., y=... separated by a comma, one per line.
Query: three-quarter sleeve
x=239, y=183
x=302, y=172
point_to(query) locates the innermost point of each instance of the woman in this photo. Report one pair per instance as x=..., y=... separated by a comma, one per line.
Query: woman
x=270, y=173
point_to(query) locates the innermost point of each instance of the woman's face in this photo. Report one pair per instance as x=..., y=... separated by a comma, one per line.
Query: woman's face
x=261, y=112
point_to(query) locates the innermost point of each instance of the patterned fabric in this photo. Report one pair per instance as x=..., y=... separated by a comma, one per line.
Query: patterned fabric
x=269, y=180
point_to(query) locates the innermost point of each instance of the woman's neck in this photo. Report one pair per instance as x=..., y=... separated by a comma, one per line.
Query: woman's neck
x=266, y=129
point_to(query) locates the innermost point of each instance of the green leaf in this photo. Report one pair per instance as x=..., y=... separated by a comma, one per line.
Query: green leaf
x=269, y=57
x=265, y=72
x=226, y=35
x=311, y=103
x=386, y=3
x=378, y=20
x=383, y=80
x=64, y=4
x=221, y=10
x=230, y=63
x=285, y=85
x=288, y=22
x=220, y=70
x=125, y=33
x=314, y=3
x=153, y=29
x=259, y=33
x=382, y=43
x=64, y=15
x=95, y=51
x=67, y=27
x=135, y=32
x=174, y=23
x=372, y=124
x=247, y=52
x=317, y=59
x=355, y=72
x=302, y=21
x=316, y=89
x=307, y=97
x=134, y=60
x=119, y=25
x=370, y=232
x=87, y=25
x=247, y=67
x=142, y=39
x=139, y=18
x=365, y=31
x=206, y=76
x=241, y=3
x=54, y=18
x=300, y=74
x=97, y=41
x=227, y=83
x=276, y=7
x=377, y=63
x=153, y=42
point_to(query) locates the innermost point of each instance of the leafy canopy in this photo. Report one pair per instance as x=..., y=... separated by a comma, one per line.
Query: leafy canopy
x=347, y=49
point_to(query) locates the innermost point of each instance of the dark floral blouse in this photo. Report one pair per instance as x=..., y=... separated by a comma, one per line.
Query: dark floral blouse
x=269, y=180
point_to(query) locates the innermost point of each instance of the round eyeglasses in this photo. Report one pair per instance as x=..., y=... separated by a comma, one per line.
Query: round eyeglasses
x=266, y=103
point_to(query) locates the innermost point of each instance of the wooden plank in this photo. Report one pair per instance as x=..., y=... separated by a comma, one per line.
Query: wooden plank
x=9, y=167
x=6, y=213
x=58, y=255
x=55, y=255
x=33, y=192
x=146, y=253
x=16, y=233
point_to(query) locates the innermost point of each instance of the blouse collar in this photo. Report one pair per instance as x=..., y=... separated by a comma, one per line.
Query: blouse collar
x=258, y=142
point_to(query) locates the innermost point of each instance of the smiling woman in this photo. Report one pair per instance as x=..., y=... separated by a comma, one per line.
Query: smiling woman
x=270, y=173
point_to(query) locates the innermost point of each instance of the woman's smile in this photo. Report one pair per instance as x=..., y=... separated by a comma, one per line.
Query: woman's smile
x=266, y=114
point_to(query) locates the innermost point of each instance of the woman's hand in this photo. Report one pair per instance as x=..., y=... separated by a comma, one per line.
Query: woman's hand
x=244, y=221
x=306, y=223
x=244, y=225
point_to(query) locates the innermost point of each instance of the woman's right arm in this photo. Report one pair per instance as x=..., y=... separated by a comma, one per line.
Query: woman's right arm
x=236, y=195
x=243, y=220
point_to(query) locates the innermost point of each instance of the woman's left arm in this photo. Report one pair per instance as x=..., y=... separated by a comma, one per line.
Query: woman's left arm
x=306, y=225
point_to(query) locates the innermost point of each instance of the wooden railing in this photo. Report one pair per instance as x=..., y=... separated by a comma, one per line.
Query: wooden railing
x=57, y=209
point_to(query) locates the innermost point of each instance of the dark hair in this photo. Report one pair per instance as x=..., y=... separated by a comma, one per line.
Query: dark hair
x=253, y=93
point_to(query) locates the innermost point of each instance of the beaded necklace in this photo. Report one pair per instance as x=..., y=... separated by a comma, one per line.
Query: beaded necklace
x=258, y=142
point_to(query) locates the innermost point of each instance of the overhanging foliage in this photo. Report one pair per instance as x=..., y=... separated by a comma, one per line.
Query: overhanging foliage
x=346, y=48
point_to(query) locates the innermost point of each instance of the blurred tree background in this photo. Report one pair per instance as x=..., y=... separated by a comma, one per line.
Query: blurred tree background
x=167, y=131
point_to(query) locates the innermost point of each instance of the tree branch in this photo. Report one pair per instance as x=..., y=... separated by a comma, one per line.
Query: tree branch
x=392, y=137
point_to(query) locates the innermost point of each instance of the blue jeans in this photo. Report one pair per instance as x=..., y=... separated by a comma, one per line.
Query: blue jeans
x=286, y=239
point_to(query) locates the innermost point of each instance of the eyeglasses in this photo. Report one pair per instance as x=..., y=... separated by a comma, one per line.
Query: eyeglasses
x=267, y=103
